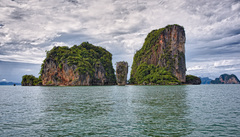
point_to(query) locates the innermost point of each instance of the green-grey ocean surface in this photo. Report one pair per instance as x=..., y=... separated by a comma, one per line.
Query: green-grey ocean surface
x=191, y=110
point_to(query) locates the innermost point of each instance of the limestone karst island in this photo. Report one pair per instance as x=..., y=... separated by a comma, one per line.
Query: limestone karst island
x=226, y=79
x=121, y=73
x=160, y=61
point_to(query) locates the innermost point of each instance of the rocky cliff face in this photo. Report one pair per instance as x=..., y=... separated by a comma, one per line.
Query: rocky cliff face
x=121, y=73
x=82, y=65
x=226, y=79
x=164, y=47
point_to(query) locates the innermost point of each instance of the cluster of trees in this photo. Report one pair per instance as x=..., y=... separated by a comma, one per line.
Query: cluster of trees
x=191, y=79
x=30, y=80
x=154, y=75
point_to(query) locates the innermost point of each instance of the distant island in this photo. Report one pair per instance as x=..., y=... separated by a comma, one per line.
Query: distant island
x=161, y=61
x=226, y=79
x=9, y=83
x=205, y=80
x=192, y=80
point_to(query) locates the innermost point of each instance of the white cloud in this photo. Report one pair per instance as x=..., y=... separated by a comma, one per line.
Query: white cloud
x=235, y=6
x=26, y=70
x=214, y=69
x=195, y=68
x=222, y=63
x=4, y=80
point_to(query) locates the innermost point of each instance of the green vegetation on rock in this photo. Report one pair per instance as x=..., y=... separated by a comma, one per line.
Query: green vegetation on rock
x=150, y=40
x=190, y=79
x=30, y=80
x=158, y=59
x=84, y=57
x=154, y=75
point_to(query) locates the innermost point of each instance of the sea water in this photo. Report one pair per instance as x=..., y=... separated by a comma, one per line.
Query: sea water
x=188, y=110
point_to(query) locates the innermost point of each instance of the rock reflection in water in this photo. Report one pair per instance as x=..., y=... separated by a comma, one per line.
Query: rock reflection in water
x=163, y=110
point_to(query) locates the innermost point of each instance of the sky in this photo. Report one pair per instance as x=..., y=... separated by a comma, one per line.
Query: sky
x=28, y=28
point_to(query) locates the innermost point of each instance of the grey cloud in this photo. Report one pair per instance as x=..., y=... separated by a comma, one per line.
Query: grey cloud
x=20, y=1
x=73, y=1
x=2, y=35
x=18, y=14
x=205, y=7
x=233, y=32
x=213, y=54
x=228, y=66
x=221, y=47
x=71, y=37
x=131, y=30
x=141, y=8
x=75, y=39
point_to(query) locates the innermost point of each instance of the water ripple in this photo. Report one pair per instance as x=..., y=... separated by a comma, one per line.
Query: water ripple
x=205, y=110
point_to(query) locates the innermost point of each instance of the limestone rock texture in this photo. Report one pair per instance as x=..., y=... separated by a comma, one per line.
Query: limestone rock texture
x=83, y=65
x=121, y=73
x=164, y=47
x=226, y=79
